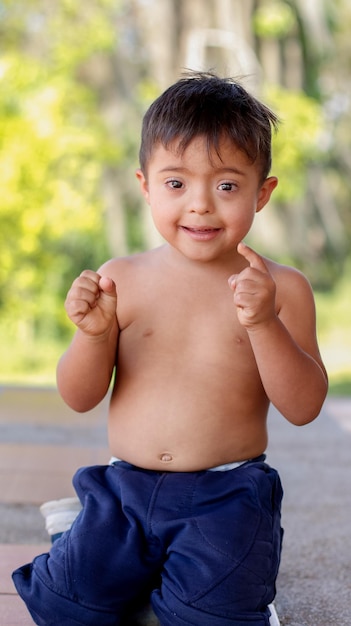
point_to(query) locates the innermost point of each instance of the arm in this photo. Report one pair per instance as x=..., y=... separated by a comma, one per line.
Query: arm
x=284, y=344
x=84, y=372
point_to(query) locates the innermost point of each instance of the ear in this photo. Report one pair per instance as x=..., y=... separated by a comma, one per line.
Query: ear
x=265, y=192
x=143, y=184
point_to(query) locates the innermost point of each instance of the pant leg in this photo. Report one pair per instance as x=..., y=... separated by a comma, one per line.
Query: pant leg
x=96, y=568
x=223, y=559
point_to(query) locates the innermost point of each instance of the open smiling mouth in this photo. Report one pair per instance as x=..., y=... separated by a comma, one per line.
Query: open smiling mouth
x=200, y=229
x=201, y=233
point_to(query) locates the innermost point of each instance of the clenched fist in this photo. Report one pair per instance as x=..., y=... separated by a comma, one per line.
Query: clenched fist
x=91, y=303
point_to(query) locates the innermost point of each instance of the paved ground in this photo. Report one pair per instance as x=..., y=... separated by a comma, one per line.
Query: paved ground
x=42, y=442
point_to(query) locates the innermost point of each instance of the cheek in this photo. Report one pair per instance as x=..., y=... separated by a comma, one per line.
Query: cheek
x=162, y=210
x=161, y=217
x=242, y=219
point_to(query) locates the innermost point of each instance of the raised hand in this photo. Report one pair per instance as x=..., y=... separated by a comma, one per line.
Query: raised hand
x=254, y=290
x=91, y=303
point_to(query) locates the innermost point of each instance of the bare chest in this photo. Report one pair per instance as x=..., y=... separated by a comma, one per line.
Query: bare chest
x=191, y=329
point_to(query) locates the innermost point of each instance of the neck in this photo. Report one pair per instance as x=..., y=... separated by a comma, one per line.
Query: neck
x=226, y=265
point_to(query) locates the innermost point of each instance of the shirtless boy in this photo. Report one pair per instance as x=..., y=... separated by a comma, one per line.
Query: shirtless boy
x=202, y=333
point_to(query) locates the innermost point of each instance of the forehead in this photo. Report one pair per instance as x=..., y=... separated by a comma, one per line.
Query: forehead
x=199, y=150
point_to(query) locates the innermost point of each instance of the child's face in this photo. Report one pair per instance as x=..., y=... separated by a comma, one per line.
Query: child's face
x=204, y=206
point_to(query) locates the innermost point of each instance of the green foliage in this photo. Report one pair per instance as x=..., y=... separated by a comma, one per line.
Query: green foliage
x=54, y=148
x=50, y=184
x=334, y=331
x=298, y=141
x=273, y=20
x=51, y=217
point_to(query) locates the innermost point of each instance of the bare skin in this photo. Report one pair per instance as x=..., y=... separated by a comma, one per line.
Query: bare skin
x=204, y=331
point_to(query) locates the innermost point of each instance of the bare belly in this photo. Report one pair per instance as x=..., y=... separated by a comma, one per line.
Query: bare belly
x=184, y=439
x=189, y=404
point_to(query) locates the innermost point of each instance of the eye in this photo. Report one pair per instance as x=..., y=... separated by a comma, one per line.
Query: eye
x=227, y=186
x=174, y=184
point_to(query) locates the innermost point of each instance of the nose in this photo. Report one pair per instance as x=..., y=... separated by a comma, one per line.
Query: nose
x=200, y=202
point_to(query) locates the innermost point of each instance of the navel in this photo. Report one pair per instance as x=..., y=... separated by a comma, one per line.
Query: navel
x=166, y=457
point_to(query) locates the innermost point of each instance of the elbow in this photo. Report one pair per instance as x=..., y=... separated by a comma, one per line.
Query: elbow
x=306, y=417
x=310, y=408
x=311, y=415
x=80, y=407
x=303, y=417
x=80, y=395
x=78, y=399
x=81, y=402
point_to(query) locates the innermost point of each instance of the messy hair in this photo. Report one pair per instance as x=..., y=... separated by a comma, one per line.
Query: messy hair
x=203, y=104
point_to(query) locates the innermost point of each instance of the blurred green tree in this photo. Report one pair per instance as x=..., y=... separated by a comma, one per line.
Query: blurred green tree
x=51, y=213
x=75, y=80
x=305, y=56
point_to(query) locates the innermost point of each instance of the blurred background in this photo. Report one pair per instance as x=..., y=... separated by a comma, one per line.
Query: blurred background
x=75, y=80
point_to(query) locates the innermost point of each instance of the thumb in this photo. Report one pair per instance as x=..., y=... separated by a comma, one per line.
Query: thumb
x=232, y=281
x=108, y=286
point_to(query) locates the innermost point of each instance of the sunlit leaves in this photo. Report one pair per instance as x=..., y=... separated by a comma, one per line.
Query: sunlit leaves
x=299, y=140
x=273, y=19
x=50, y=135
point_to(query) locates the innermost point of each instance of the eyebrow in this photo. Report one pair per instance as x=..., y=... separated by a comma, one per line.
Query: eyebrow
x=224, y=169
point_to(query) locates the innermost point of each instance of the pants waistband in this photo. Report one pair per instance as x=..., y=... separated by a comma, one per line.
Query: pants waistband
x=226, y=467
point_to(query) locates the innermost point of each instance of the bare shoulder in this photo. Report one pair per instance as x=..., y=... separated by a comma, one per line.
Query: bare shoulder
x=296, y=307
x=135, y=277
x=122, y=269
x=292, y=285
x=285, y=272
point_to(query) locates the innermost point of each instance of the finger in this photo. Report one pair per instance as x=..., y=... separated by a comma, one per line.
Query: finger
x=87, y=282
x=232, y=281
x=108, y=286
x=77, y=310
x=83, y=290
x=91, y=275
x=254, y=259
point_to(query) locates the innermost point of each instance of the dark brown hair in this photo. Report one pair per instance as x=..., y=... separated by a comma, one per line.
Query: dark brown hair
x=202, y=103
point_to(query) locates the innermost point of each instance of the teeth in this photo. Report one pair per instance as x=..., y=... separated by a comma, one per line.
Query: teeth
x=202, y=230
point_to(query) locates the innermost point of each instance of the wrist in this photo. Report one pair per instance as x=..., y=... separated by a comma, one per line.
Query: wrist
x=265, y=326
x=104, y=337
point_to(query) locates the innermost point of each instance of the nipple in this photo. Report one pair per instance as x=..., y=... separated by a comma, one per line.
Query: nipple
x=166, y=457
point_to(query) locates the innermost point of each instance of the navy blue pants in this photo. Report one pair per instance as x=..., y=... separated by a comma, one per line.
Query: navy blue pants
x=205, y=545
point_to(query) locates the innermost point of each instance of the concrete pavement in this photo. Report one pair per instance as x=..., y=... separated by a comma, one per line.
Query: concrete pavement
x=42, y=443
x=314, y=585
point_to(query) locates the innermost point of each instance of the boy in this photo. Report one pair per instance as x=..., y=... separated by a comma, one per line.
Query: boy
x=189, y=511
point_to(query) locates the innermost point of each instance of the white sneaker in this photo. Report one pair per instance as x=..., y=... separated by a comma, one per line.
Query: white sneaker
x=273, y=620
x=60, y=514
